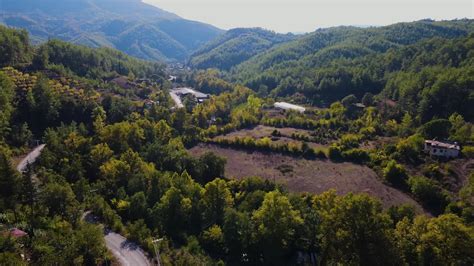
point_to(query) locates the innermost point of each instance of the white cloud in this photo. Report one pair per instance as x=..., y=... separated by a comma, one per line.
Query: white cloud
x=307, y=15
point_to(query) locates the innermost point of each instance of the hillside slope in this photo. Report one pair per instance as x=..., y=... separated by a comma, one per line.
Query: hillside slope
x=236, y=46
x=131, y=26
x=324, y=57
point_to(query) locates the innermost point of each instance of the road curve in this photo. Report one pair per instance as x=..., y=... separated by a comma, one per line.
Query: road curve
x=30, y=158
x=126, y=252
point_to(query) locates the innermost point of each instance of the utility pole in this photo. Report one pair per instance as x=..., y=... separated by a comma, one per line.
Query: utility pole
x=157, y=254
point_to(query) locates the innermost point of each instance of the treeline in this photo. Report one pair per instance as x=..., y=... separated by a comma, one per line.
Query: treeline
x=266, y=144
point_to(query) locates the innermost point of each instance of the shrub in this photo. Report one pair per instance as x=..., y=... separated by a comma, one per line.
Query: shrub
x=438, y=128
x=410, y=148
x=335, y=153
x=356, y=155
x=428, y=192
x=468, y=151
x=320, y=154
x=394, y=173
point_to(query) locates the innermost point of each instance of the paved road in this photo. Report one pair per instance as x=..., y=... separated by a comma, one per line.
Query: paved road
x=126, y=252
x=30, y=158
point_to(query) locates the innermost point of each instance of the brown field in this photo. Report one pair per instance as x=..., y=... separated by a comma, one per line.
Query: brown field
x=302, y=175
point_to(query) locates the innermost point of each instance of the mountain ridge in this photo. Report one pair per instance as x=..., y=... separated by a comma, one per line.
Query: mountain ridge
x=137, y=28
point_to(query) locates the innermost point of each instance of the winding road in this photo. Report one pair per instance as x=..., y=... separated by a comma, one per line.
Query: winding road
x=126, y=252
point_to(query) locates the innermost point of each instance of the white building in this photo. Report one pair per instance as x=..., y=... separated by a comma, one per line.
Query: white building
x=442, y=149
x=289, y=106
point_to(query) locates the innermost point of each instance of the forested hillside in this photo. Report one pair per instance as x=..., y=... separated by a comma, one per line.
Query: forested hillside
x=139, y=29
x=331, y=63
x=236, y=46
x=121, y=151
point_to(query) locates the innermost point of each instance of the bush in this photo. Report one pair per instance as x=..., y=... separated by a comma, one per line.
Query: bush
x=394, y=173
x=438, y=128
x=138, y=231
x=410, y=148
x=428, y=192
x=335, y=153
x=468, y=151
x=356, y=155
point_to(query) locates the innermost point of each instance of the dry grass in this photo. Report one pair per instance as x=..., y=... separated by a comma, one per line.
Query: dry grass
x=302, y=175
x=261, y=131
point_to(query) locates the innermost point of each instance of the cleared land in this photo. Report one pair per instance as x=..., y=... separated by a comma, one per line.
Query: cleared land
x=261, y=131
x=301, y=175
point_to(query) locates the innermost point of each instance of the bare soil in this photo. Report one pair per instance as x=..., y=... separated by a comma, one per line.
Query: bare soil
x=302, y=175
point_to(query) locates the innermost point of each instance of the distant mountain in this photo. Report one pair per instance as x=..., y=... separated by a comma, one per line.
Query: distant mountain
x=131, y=26
x=236, y=46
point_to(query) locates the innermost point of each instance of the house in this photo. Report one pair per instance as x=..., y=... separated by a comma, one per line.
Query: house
x=442, y=149
x=288, y=106
x=200, y=97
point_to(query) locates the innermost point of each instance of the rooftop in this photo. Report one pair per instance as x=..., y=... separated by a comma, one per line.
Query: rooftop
x=284, y=105
x=445, y=145
x=186, y=90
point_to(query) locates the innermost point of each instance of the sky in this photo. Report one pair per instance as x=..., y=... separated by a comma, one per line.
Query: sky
x=308, y=15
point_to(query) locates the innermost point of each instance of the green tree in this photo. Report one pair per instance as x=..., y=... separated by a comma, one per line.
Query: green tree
x=212, y=166
x=354, y=230
x=428, y=192
x=438, y=128
x=212, y=240
x=138, y=206
x=395, y=173
x=437, y=241
x=406, y=126
x=277, y=225
x=9, y=186
x=216, y=198
x=6, y=103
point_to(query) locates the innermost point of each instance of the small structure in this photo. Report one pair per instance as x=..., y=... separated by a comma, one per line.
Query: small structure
x=200, y=97
x=288, y=106
x=172, y=78
x=442, y=149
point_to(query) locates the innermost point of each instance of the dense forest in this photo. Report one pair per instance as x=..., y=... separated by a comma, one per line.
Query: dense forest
x=108, y=153
x=235, y=47
x=329, y=64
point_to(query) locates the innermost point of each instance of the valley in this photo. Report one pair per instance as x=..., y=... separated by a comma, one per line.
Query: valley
x=131, y=135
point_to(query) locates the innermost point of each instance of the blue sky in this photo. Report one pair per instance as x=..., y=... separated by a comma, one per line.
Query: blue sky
x=308, y=15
